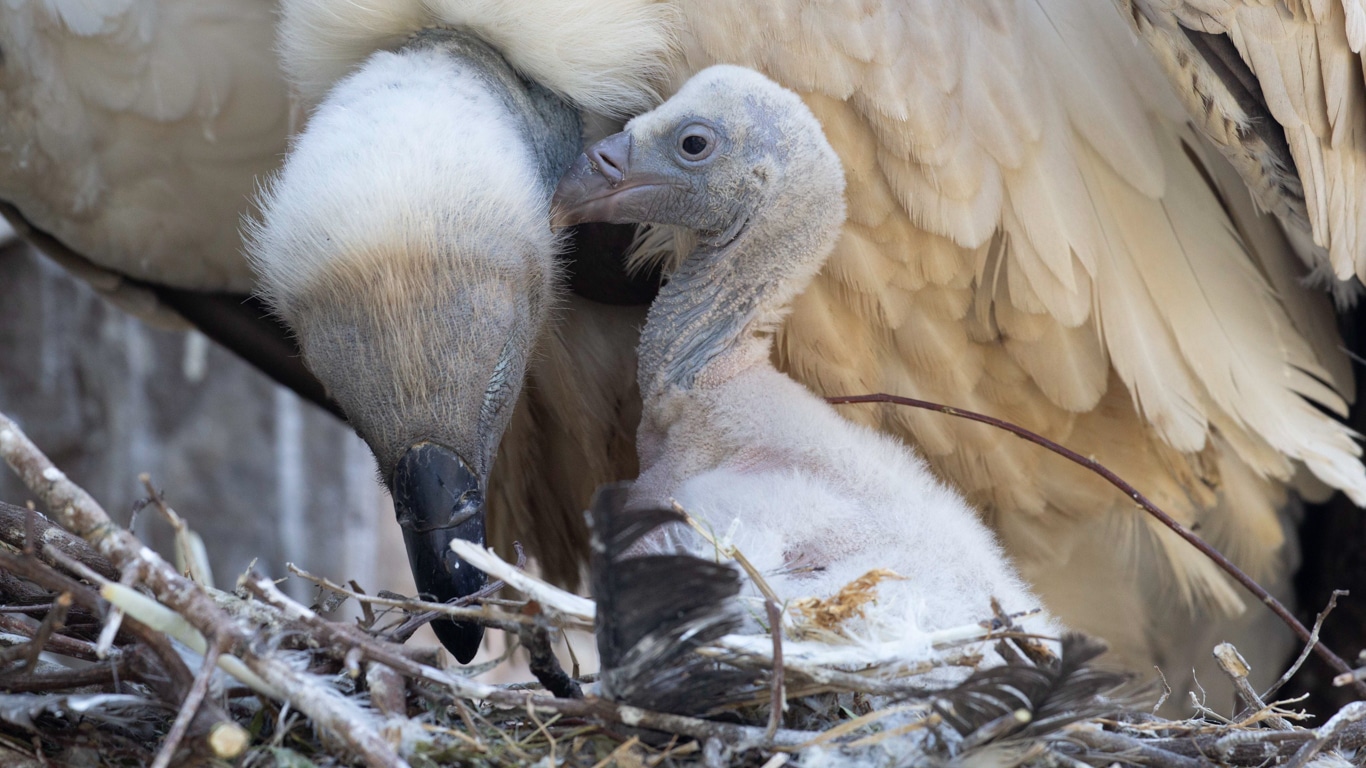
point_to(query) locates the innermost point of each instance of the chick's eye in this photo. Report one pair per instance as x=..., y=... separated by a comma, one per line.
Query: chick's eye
x=694, y=145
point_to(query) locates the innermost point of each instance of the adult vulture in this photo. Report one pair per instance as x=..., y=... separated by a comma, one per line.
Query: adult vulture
x=1050, y=221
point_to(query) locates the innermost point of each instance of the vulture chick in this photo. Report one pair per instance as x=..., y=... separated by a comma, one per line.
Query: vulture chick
x=814, y=501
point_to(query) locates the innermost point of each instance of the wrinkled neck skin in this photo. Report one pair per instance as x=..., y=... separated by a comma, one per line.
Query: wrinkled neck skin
x=719, y=310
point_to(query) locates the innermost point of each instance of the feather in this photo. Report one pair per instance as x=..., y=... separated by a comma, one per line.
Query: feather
x=134, y=132
x=654, y=611
x=1052, y=694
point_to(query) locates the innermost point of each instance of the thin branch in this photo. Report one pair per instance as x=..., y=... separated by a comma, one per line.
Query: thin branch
x=1309, y=646
x=1236, y=668
x=52, y=623
x=1142, y=501
x=536, y=639
x=1352, y=713
x=26, y=529
x=778, y=696
x=373, y=650
x=78, y=512
x=61, y=645
x=65, y=680
x=503, y=621
x=190, y=707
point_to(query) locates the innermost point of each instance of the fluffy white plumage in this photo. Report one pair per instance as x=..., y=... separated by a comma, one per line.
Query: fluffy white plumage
x=602, y=55
x=340, y=195
x=812, y=499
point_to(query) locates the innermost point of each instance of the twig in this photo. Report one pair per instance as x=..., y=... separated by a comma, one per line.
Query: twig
x=414, y=622
x=536, y=639
x=374, y=650
x=552, y=599
x=61, y=645
x=52, y=623
x=1236, y=668
x=65, y=680
x=503, y=621
x=1142, y=501
x=346, y=637
x=25, y=529
x=730, y=551
x=1349, y=714
x=779, y=699
x=190, y=707
x=154, y=662
x=195, y=560
x=1309, y=646
x=76, y=511
x=1134, y=750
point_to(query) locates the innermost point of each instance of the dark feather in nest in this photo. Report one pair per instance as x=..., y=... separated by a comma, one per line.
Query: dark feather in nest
x=654, y=611
x=1054, y=694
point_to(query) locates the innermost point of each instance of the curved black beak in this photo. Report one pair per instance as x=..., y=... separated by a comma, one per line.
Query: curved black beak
x=438, y=497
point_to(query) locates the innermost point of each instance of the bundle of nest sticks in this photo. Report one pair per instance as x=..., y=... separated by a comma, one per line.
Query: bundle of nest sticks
x=110, y=655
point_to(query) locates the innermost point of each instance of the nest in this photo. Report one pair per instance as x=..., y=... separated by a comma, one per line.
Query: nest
x=111, y=656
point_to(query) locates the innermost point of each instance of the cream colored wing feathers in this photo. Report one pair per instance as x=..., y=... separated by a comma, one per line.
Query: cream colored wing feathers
x=1277, y=85
x=1035, y=233
x=134, y=130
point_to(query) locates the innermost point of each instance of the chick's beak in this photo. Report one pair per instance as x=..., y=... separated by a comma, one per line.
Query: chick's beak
x=600, y=186
x=439, y=497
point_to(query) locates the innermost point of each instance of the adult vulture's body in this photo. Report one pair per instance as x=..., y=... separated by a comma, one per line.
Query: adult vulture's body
x=1038, y=230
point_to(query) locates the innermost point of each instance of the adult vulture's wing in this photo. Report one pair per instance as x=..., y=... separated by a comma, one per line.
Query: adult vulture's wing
x=1277, y=85
x=1037, y=233
x=134, y=131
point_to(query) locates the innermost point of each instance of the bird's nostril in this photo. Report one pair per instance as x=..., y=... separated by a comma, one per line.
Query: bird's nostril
x=610, y=158
x=606, y=165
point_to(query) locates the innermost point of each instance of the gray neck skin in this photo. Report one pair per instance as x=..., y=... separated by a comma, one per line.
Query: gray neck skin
x=730, y=297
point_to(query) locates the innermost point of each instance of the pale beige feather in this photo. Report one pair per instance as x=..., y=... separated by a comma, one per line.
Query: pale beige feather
x=134, y=131
x=1017, y=177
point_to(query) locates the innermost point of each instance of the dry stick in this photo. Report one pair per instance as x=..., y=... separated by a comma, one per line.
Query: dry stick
x=100, y=674
x=78, y=512
x=61, y=645
x=1309, y=646
x=536, y=639
x=345, y=635
x=25, y=529
x=1349, y=714
x=52, y=623
x=159, y=666
x=190, y=707
x=1142, y=501
x=1237, y=669
x=1240, y=748
x=378, y=651
x=505, y=621
x=1133, y=750
x=775, y=623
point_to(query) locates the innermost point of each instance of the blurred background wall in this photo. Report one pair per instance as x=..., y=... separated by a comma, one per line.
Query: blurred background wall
x=259, y=473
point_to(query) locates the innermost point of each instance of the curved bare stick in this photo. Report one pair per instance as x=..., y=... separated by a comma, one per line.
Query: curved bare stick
x=1142, y=501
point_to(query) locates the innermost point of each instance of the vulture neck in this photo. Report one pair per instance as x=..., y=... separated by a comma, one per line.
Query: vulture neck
x=720, y=309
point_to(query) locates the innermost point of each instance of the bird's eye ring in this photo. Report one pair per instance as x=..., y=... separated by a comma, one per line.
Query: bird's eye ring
x=696, y=142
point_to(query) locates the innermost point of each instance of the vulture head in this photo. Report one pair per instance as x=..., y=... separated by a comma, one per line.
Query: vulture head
x=742, y=163
x=406, y=240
